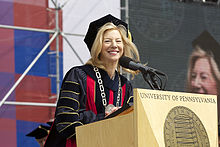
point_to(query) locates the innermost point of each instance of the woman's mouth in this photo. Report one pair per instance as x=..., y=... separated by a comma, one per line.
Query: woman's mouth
x=113, y=52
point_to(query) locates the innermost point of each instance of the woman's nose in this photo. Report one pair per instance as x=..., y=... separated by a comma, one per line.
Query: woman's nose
x=196, y=82
x=114, y=44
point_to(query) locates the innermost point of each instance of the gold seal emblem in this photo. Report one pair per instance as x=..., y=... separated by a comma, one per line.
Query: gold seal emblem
x=183, y=128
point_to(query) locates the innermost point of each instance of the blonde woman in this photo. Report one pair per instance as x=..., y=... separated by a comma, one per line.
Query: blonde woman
x=203, y=73
x=88, y=90
x=203, y=70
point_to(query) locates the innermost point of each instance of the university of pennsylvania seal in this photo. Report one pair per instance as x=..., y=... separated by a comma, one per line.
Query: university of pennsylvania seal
x=183, y=128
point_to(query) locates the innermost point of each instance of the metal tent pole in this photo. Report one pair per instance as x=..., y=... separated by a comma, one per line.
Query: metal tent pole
x=57, y=49
x=126, y=9
x=26, y=28
x=30, y=104
x=56, y=33
x=28, y=68
x=127, y=21
x=72, y=48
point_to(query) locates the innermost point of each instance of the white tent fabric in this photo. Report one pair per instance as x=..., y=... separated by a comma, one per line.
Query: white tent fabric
x=76, y=18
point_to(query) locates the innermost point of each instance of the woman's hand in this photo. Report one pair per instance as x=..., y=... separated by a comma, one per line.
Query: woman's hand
x=110, y=109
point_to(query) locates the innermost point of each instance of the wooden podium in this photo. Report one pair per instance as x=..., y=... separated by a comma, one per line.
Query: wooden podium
x=158, y=119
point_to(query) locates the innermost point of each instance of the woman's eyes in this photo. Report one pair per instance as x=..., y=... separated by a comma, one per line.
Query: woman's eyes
x=201, y=76
x=107, y=40
x=118, y=41
x=204, y=76
x=193, y=75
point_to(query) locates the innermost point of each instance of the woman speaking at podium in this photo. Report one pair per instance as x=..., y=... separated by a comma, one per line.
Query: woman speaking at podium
x=87, y=90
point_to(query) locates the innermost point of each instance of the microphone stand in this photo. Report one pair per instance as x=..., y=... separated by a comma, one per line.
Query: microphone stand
x=152, y=80
x=148, y=80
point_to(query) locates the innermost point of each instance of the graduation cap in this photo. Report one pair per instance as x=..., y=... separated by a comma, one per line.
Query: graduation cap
x=97, y=24
x=206, y=42
x=40, y=132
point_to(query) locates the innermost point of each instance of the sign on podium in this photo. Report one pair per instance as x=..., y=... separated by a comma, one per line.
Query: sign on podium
x=158, y=119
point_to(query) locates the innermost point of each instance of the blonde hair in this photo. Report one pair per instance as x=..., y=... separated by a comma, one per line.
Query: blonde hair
x=130, y=50
x=197, y=54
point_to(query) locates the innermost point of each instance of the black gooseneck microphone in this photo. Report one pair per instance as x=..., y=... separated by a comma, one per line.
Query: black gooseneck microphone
x=129, y=63
x=150, y=75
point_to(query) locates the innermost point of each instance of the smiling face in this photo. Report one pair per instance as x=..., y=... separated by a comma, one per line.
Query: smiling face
x=202, y=80
x=112, y=47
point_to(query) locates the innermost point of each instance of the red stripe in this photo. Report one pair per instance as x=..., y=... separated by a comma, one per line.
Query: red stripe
x=91, y=95
x=123, y=94
x=111, y=97
x=71, y=142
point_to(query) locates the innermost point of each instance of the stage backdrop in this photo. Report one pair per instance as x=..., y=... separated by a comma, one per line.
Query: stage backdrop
x=163, y=30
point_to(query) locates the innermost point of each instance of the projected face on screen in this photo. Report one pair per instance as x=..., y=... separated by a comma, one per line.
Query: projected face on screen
x=202, y=78
x=204, y=64
x=203, y=69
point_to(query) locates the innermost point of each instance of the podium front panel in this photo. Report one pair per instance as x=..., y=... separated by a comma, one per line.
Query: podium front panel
x=175, y=118
x=113, y=132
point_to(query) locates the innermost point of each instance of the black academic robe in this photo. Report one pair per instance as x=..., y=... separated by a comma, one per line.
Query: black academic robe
x=80, y=102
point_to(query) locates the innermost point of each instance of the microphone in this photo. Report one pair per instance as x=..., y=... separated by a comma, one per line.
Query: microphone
x=129, y=63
